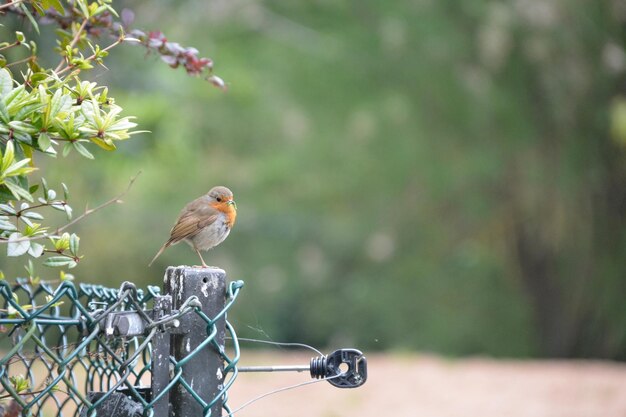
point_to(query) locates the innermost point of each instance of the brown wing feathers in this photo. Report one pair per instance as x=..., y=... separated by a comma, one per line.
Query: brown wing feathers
x=194, y=217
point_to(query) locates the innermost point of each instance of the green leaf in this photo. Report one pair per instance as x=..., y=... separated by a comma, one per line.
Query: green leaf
x=55, y=4
x=60, y=103
x=38, y=6
x=67, y=148
x=15, y=95
x=6, y=82
x=34, y=229
x=30, y=268
x=19, y=383
x=122, y=124
x=36, y=249
x=4, y=112
x=17, y=191
x=17, y=168
x=33, y=215
x=26, y=111
x=7, y=209
x=74, y=244
x=65, y=277
x=56, y=261
x=105, y=144
x=5, y=194
x=28, y=152
x=44, y=143
x=22, y=137
x=15, y=246
x=68, y=212
x=7, y=225
x=27, y=221
x=8, y=157
x=44, y=185
x=83, y=7
x=30, y=17
x=63, y=242
x=24, y=126
x=66, y=192
x=80, y=148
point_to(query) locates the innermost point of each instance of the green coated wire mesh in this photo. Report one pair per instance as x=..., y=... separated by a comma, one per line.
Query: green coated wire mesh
x=55, y=351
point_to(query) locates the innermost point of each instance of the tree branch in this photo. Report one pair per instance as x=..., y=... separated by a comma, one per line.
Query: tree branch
x=73, y=42
x=114, y=200
x=9, y=46
x=3, y=397
x=21, y=61
x=92, y=56
x=13, y=3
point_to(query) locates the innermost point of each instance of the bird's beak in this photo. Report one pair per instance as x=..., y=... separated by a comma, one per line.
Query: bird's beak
x=232, y=203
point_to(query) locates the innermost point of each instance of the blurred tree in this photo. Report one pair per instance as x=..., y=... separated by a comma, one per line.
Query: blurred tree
x=568, y=190
x=432, y=175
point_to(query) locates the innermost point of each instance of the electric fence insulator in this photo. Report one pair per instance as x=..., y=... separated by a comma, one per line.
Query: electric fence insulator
x=344, y=368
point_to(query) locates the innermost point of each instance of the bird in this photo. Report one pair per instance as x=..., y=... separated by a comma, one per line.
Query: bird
x=204, y=223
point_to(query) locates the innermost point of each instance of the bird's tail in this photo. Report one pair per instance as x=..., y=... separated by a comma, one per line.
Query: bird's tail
x=165, y=245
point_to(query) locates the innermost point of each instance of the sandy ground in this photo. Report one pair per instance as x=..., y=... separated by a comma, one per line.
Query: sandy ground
x=413, y=385
x=418, y=385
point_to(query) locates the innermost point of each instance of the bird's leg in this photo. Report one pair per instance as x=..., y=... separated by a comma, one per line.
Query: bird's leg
x=204, y=265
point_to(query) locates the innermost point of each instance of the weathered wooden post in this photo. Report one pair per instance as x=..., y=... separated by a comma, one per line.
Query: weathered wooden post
x=161, y=358
x=203, y=372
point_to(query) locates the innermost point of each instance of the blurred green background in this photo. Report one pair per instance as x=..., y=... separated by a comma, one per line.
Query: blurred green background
x=427, y=175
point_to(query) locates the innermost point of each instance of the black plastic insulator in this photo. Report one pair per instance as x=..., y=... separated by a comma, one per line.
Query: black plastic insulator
x=352, y=375
x=318, y=367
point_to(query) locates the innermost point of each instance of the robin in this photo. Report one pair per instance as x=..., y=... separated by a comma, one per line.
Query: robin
x=205, y=222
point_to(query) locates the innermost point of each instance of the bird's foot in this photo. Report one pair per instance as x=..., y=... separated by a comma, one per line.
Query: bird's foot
x=205, y=266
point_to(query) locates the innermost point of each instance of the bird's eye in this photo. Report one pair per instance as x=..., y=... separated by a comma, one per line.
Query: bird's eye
x=219, y=199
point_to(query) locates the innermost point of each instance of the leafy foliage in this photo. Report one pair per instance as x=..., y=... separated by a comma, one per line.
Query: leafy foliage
x=49, y=113
x=53, y=112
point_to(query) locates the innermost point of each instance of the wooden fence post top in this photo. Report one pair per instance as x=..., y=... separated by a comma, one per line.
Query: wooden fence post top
x=203, y=369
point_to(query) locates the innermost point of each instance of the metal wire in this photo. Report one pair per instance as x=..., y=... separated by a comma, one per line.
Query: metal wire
x=53, y=350
x=276, y=391
x=281, y=344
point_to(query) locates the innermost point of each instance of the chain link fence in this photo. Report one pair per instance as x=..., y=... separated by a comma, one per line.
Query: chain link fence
x=68, y=350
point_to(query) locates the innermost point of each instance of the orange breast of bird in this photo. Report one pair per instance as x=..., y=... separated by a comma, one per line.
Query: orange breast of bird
x=229, y=210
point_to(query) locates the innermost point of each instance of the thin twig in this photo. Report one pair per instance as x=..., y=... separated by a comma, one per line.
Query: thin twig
x=11, y=45
x=73, y=42
x=13, y=3
x=2, y=397
x=19, y=212
x=92, y=56
x=114, y=200
x=21, y=61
